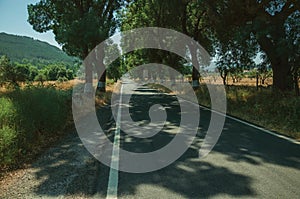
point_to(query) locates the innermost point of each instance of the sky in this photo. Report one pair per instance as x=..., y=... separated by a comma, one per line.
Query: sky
x=13, y=20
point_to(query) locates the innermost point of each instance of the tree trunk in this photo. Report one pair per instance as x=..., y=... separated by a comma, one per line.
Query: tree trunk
x=257, y=78
x=282, y=76
x=195, y=78
x=101, y=71
x=88, y=87
x=195, y=72
x=172, y=77
x=224, y=77
x=102, y=83
x=296, y=85
x=224, y=81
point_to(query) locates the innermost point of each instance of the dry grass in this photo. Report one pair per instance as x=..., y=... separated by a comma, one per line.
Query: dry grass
x=34, y=117
x=279, y=112
x=243, y=82
x=105, y=98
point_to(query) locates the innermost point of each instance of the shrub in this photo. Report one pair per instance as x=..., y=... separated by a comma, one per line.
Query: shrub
x=8, y=134
x=40, y=78
x=29, y=117
x=8, y=145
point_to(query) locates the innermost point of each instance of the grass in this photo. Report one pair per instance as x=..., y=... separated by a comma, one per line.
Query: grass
x=279, y=112
x=33, y=117
x=275, y=111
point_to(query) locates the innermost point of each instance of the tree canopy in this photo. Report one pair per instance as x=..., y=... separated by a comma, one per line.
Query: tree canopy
x=78, y=25
x=270, y=26
x=233, y=30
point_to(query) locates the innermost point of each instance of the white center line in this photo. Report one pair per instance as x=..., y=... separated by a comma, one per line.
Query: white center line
x=112, y=188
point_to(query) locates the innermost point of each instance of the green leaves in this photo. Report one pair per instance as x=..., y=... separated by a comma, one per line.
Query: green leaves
x=256, y=26
x=78, y=25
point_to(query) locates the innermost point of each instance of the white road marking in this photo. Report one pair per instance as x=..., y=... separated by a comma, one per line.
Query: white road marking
x=246, y=123
x=253, y=126
x=112, y=188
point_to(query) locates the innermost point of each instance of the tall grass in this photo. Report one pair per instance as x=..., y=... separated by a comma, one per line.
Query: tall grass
x=274, y=110
x=30, y=116
x=8, y=134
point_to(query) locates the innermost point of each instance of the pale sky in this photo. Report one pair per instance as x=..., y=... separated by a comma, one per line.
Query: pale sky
x=13, y=20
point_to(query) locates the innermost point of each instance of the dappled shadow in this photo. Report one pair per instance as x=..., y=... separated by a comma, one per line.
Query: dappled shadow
x=241, y=148
x=256, y=147
x=69, y=169
x=188, y=176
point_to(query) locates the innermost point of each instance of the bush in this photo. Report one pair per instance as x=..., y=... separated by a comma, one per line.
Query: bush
x=8, y=134
x=40, y=78
x=8, y=145
x=29, y=117
x=62, y=79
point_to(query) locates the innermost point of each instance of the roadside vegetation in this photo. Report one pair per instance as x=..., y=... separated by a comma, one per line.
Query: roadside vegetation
x=33, y=117
x=260, y=105
x=30, y=119
x=35, y=112
x=275, y=111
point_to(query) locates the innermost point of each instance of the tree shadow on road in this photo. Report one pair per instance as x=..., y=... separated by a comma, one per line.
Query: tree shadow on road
x=69, y=170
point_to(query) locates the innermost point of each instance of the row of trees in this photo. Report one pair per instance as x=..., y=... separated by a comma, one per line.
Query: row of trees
x=16, y=73
x=260, y=74
x=234, y=31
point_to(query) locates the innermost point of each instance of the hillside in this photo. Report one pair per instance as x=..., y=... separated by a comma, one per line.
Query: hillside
x=18, y=48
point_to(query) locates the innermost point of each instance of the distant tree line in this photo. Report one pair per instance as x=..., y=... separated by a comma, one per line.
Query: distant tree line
x=20, y=48
x=14, y=73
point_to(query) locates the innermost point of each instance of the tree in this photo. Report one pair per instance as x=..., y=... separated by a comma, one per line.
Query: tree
x=233, y=59
x=236, y=74
x=22, y=72
x=41, y=77
x=52, y=72
x=7, y=72
x=267, y=23
x=264, y=69
x=78, y=25
x=70, y=74
x=115, y=70
x=33, y=72
x=188, y=17
x=185, y=16
x=194, y=23
x=293, y=26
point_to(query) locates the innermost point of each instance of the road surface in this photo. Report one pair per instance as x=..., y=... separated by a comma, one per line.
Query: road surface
x=245, y=163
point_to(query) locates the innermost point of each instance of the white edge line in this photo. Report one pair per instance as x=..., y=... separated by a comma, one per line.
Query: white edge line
x=112, y=187
x=244, y=122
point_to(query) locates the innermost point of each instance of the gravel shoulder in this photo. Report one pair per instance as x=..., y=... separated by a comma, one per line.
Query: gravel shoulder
x=63, y=171
x=66, y=170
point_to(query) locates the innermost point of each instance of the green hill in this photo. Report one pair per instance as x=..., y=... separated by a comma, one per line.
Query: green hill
x=18, y=48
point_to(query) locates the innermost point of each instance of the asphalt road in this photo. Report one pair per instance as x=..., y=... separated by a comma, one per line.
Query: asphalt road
x=245, y=163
